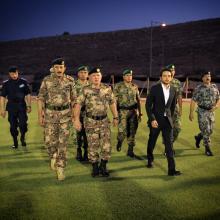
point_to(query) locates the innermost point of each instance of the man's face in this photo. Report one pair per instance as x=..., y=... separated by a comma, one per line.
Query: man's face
x=127, y=78
x=166, y=77
x=13, y=75
x=206, y=78
x=95, y=78
x=83, y=75
x=59, y=70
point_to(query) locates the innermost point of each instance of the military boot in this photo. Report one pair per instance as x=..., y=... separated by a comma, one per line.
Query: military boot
x=208, y=152
x=15, y=140
x=95, y=169
x=130, y=152
x=102, y=168
x=79, y=154
x=198, y=139
x=23, y=142
x=85, y=155
x=118, y=147
x=60, y=173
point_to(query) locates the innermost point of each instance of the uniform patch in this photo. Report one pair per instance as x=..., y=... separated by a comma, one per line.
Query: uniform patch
x=21, y=86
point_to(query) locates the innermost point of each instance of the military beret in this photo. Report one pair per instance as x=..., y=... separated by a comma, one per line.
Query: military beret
x=12, y=69
x=83, y=68
x=205, y=73
x=94, y=70
x=58, y=61
x=127, y=71
x=170, y=66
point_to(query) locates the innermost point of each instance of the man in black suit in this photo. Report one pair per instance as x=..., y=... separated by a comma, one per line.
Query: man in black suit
x=160, y=105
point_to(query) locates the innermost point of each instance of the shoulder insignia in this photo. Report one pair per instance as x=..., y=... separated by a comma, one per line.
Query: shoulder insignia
x=5, y=81
x=23, y=79
x=70, y=78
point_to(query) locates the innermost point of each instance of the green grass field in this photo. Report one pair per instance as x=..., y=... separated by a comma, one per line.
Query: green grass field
x=29, y=189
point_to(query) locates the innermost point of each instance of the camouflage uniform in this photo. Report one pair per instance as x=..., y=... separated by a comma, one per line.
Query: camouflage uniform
x=127, y=97
x=176, y=117
x=206, y=97
x=96, y=122
x=57, y=97
x=81, y=135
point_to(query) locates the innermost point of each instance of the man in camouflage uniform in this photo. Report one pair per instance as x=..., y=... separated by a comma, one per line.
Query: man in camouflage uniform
x=55, y=102
x=206, y=95
x=97, y=97
x=178, y=109
x=81, y=135
x=129, y=108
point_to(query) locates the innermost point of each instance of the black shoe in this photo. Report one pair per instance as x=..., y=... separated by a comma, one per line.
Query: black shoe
x=15, y=140
x=102, y=168
x=149, y=164
x=118, y=147
x=95, y=169
x=130, y=154
x=174, y=173
x=79, y=154
x=198, y=140
x=209, y=153
x=14, y=147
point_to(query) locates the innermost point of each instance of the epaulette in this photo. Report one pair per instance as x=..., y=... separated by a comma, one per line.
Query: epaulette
x=24, y=79
x=47, y=77
x=133, y=84
x=70, y=78
x=5, y=81
x=214, y=85
x=106, y=85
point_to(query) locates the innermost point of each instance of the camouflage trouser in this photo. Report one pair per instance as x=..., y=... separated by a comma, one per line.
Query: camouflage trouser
x=56, y=141
x=81, y=136
x=128, y=124
x=206, y=121
x=176, y=123
x=73, y=136
x=99, y=139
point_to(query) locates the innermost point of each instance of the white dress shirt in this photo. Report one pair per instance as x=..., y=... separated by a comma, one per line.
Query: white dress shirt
x=166, y=93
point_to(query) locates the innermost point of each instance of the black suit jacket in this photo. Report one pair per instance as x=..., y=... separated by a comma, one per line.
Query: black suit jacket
x=155, y=104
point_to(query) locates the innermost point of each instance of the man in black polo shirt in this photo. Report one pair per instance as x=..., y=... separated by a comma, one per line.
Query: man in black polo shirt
x=17, y=92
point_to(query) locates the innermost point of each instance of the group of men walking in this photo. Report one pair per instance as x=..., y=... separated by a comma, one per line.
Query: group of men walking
x=85, y=103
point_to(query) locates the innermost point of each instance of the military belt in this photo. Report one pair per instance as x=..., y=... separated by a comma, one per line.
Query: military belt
x=132, y=107
x=205, y=107
x=98, y=118
x=57, y=108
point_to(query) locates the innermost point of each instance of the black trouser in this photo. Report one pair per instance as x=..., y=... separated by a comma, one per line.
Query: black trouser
x=81, y=137
x=167, y=133
x=18, y=119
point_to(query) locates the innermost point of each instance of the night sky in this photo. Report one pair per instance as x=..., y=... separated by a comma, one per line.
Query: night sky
x=23, y=19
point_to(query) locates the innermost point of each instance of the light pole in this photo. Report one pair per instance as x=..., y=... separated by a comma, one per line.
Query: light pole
x=152, y=23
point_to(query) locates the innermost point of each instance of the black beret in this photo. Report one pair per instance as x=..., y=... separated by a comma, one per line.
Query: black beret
x=12, y=69
x=205, y=73
x=170, y=66
x=127, y=71
x=83, y=68
x=58, y=61
x=94, y=70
